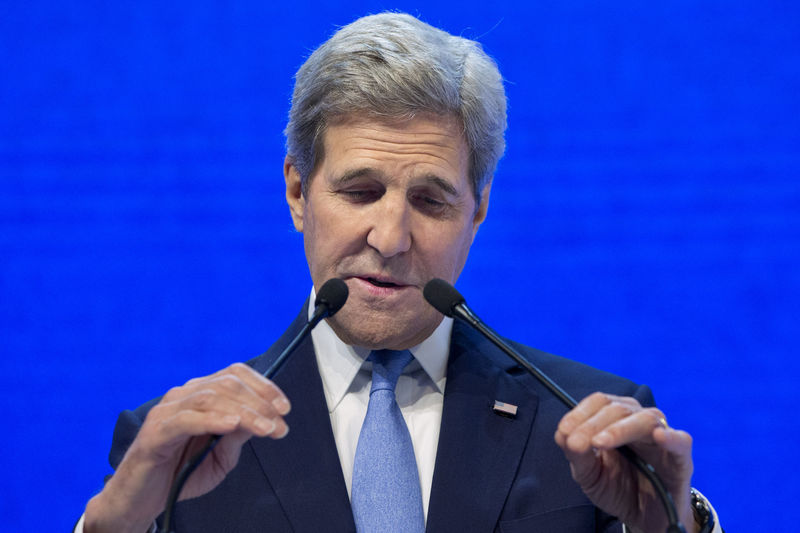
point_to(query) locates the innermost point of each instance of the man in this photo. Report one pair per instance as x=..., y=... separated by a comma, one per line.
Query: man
x=394, y=135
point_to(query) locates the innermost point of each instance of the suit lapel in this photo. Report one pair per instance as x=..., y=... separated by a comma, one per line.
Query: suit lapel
x=303, y=468
x=479, y=451
x=477, y=457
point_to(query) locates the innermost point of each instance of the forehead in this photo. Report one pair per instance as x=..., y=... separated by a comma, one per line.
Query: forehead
x=425, y=143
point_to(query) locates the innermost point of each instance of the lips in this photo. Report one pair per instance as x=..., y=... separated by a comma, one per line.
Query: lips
x=379, y=283
x=382, y=282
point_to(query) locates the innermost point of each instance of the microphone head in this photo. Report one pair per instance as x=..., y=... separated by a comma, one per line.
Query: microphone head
x=442, y=296
x=333, y=295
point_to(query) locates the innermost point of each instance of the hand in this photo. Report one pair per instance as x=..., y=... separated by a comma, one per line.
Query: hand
x=601, y=422
x=236, y=402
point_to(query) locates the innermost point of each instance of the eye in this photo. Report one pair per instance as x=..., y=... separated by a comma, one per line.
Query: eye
x=429, y=203
x=360, y=195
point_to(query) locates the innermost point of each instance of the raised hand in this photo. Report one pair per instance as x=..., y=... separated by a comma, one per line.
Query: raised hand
x=601, y=422
x=236, y=402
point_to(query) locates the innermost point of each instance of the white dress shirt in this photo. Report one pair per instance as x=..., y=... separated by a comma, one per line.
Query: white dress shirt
x=347, y=378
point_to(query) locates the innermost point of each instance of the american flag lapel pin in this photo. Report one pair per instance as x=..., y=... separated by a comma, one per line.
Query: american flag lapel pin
x=505, y=409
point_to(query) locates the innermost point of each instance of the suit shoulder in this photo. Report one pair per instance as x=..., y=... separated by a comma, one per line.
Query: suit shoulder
x=575, y=377
x=128, y=424
x=580, y=379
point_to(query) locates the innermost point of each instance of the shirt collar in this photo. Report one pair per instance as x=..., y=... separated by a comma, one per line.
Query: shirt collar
x=339, y=363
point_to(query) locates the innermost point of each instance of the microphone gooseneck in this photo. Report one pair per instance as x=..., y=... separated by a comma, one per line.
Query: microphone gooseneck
x=330, y=299
x=448, y=301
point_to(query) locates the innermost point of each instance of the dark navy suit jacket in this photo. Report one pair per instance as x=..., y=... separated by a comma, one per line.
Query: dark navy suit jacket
x=492, y=473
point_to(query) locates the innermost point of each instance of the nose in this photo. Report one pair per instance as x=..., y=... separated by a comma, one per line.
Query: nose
x=390, y=231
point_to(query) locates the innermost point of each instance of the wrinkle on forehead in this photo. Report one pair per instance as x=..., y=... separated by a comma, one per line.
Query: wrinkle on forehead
x=396, y=131
x=434, y=149
x=433, y=137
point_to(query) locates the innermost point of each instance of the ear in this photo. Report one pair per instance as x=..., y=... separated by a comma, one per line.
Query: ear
x=483, y=207
x=294, y=193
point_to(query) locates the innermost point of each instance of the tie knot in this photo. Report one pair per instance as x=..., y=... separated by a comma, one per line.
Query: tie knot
x=387, y=365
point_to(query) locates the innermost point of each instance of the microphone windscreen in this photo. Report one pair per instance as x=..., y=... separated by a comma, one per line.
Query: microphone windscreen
x=442, y=296
x=333, y=294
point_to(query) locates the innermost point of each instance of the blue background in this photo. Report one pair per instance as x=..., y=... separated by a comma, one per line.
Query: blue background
x=646, y=216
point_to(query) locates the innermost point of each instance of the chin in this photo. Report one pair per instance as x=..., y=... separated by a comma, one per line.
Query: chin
x=379, y=332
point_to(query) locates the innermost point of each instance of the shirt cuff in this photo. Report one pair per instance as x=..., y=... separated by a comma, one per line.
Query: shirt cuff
x=79, y=526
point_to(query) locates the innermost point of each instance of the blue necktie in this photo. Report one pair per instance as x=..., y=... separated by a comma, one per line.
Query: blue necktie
x=386, y=496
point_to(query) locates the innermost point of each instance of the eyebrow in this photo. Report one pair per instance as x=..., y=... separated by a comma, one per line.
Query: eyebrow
x=351, y=175
x=362, y=172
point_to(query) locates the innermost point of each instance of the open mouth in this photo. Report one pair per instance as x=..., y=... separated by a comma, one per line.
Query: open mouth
x=378, y=283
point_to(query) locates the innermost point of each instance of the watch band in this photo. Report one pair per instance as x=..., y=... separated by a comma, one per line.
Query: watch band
x=703, y=516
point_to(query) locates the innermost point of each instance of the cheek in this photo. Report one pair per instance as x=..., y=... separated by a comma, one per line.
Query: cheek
x=464, y=247
x=329, y=236
x=314, y=240
x=449, y=255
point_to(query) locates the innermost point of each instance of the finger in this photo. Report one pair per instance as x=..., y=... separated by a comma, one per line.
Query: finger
x=672, y=440
x=639, y=426
x=187, y=423
x=255, y=423
x=256, y=416
x=239, y=384
x=262, y=386
x=590, y=405
x=238, y=377
x=677, y=468
x=586, y=434
x=585, y=466
x=585, y=411
x=206, y=412
x=181, y=425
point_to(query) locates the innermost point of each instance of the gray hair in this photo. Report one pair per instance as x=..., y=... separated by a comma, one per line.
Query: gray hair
x=394, y=66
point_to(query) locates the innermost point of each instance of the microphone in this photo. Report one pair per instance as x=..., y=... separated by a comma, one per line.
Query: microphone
x=448, y=301
x=330, y=298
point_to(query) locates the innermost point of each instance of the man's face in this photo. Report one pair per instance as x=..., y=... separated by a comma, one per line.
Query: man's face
x=389, y=208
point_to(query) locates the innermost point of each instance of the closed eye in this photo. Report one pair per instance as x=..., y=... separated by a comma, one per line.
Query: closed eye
x=361, y=196
x=430, y=205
